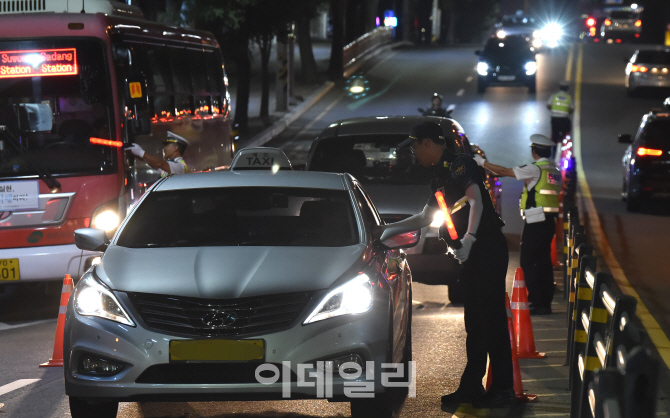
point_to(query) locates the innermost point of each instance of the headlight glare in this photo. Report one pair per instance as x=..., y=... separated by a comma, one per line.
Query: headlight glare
x=531, y=67
x=353, y=297
x=482, y=68
x=438, y=219
x=93, y=299
x=107, y=220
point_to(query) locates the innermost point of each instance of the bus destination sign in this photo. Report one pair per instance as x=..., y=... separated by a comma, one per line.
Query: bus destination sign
x=38, y=63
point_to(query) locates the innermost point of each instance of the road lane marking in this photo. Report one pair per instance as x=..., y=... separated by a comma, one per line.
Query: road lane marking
x=460, y=92
x=650, y=324
x=16, y=385
x=568, y=66
x=469, y=79
x=4, y=326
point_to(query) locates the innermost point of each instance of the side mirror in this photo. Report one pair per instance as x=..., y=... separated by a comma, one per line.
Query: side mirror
x=91, y=239
x=395, y=237
x=625, y=139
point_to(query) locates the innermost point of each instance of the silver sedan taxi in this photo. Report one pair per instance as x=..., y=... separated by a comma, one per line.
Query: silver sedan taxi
x=246, y=285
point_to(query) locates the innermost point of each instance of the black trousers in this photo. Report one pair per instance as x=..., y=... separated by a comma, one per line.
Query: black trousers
x=535, y=260
x=483, y=279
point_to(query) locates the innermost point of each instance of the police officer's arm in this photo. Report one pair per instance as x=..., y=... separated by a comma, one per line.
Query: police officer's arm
x=156, y=162
x=498, y=169
x=474, y=196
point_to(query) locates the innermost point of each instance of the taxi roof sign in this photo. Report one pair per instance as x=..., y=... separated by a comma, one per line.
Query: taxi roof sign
x=261, y=158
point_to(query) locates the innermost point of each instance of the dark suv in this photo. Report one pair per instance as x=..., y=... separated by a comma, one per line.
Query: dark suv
x=506, y=61
x=646, y=163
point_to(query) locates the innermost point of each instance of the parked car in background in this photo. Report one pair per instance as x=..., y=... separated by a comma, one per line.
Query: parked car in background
x=621, y=24
x=646, y=162
x=399, y=187
x=506, y=62
x=213, y=275
x=648, y=69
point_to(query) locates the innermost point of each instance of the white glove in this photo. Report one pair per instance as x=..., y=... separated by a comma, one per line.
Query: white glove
x=136, y=150
x=463, y=253
x=479, y=159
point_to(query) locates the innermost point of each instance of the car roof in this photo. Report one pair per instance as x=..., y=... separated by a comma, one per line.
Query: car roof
x=386, y=125
x=255, y=178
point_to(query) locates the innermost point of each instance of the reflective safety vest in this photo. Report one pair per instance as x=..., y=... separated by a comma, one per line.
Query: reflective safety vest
x=177, y=160
x=560, y=104
x=545, y=193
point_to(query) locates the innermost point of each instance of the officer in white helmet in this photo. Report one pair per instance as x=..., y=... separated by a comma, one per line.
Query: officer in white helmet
x=539, y=207
x=172, y=161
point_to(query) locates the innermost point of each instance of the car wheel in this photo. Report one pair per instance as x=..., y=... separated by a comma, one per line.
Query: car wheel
x=81, y=408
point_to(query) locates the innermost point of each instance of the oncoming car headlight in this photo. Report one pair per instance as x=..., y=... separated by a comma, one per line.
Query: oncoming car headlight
x=353, y=297
x=91, y=298
x=438, y=219
x=482, y=68
x=531, y=67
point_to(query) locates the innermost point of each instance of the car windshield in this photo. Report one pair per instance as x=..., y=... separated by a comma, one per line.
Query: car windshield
x=653, y=57
x=515, y=21
x=657, y=133
x=54, y=96
x=369, y=158
x=510, y=48
x=242, y=216
x=621, y=14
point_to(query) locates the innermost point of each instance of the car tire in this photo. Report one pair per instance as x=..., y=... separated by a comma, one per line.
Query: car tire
x=81, y=408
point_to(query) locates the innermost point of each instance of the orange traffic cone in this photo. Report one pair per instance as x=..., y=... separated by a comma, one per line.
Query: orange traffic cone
x=523, y=328
x=521, y=396
x=57, y=357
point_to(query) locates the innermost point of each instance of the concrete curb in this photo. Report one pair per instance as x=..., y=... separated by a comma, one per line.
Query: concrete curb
x=290, y=117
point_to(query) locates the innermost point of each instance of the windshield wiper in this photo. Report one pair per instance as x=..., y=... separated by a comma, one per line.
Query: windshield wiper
x=46, y=177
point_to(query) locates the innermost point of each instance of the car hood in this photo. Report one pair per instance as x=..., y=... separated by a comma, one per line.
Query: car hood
x=398, y=200
x=225, y=272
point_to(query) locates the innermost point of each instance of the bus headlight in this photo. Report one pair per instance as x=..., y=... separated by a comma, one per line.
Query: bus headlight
x=353, y=297
x=107, y=220
x=91, y=298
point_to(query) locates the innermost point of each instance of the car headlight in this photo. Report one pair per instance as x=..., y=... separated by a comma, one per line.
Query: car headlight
x=438, y=219
x=91, y=298
x=353, y=297
x=482, y=68
x=531, y=67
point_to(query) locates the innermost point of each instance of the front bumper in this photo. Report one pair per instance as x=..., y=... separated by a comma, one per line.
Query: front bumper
x=138, y=348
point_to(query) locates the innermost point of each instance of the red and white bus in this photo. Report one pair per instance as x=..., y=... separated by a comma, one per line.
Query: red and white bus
x=75, y=87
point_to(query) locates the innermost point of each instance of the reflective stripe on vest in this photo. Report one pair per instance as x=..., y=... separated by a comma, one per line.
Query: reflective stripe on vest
x=546, y=190
x=560, y=104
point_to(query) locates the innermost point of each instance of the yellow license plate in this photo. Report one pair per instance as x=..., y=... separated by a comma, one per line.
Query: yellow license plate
x=217, y=350
x=9, y=269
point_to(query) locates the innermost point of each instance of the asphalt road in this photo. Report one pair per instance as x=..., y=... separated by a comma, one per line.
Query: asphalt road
x=500, y=121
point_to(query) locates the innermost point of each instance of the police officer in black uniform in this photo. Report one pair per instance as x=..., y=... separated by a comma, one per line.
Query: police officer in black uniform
x=482, y=250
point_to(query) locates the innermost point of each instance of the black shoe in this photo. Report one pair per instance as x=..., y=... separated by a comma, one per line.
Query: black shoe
x=540, y=310
x=496, y=398
x=462, y=396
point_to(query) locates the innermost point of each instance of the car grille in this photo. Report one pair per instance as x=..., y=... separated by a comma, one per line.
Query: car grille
x=204, y=373
x=219, y=317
